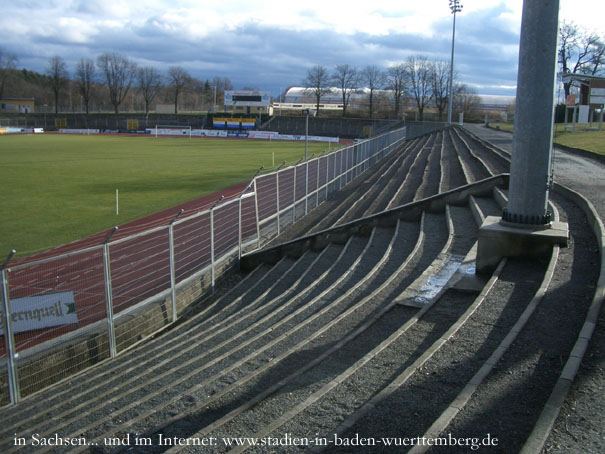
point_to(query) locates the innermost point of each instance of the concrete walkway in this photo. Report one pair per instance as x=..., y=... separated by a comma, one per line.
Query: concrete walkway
x=582, y=417
x=587, y=176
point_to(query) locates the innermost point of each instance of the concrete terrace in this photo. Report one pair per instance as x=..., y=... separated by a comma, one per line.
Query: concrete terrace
x=365, y=323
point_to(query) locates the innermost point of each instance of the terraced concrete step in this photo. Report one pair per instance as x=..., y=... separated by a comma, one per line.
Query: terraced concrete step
x=509, y=400
x=310, y=347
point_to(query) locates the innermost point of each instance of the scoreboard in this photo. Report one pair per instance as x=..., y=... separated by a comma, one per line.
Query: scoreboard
x=247, y=98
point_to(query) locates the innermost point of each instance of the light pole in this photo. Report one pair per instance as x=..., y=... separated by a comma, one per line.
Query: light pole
x=455, y=7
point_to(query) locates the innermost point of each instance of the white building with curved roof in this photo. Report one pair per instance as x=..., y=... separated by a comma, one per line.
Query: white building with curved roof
x=332, y=99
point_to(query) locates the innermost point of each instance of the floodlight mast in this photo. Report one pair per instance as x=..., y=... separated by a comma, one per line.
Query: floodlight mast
x=455, y=7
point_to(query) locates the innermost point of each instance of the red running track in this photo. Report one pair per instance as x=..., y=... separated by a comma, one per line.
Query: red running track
x=140, y=266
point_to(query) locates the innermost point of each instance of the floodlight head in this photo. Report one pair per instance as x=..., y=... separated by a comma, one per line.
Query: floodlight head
x=455, y=6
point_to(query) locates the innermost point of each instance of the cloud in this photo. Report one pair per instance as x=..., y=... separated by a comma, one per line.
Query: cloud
x=268, y=45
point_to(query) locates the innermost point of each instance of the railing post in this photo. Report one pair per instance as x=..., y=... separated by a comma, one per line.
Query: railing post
x=340, y=173
x=306, y=186
x=172, y=267
x=277, y=194
x=334, y=172
x=239, y=223
x=257, y=216
x=294, y=202
x=212, y=265
x=348, y=167
x=212, y=249
x=327, y=174
x=345, y=170
x=108, y=295
x=351, y=163
x=317, y=183
x=253, y=181
x=277, y=198
x=9, y=339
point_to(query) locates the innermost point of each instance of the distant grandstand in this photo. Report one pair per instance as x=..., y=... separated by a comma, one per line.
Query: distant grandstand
x=297, y=98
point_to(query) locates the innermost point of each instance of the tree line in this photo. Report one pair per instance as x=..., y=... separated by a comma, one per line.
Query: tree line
x=110, y=77
x=424, y=81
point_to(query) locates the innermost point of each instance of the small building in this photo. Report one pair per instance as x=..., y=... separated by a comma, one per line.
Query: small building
x=586, y=98
x=17, y=105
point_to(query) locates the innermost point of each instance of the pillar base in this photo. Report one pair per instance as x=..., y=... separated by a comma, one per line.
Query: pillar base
x=497, y=240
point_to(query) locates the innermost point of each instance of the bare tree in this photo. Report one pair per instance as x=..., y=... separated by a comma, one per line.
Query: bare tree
x=119, y=74
x=220, y=85
x=440, y=80
x=150, y=81
x=580, y=52
x=345, y=77
x=58, y=77
x=396, y=80
x=85, y=77
x=179, y=77
x=374, y=79
x=418, y=71
x=316, y=83
x=466, y=100
x=7, y=64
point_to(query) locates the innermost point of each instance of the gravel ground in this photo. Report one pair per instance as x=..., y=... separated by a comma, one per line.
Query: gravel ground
x=579, y=427
x=509, y=402
x=441, y=378
x=478, y=171
x=453, y=176
x=414, y=406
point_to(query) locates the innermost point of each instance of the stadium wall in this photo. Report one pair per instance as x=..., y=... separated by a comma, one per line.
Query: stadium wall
x=318, y=126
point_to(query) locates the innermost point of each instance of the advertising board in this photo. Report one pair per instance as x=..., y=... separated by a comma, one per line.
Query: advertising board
x=42, y=311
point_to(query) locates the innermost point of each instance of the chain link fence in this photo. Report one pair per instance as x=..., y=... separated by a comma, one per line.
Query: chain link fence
x=63, y=314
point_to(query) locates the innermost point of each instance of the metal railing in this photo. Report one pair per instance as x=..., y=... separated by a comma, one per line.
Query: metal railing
x=64, y=313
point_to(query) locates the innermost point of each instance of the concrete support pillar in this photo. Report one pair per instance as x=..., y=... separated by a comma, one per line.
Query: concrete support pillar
x=526, y=228
x=534, y=112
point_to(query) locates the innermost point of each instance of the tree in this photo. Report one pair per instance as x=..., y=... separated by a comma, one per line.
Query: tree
x=396, y=80
x=418, y=70
x=58, y=76
x=345, y=77
x=7, y=63
x=466, y=99
x=220, y=85
x=316, y=83
x=580, y=52
x=85, y=77
x=373, y=78
x=440, y=80
x=119, y=74
x=150, y=81
x=179, y=77
x=207, y=94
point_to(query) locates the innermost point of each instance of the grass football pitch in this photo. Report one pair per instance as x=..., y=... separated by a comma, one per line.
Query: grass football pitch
x=59, y=188
x=591, y=140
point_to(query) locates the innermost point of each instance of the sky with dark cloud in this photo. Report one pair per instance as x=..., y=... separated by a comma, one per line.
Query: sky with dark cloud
x=270, y=45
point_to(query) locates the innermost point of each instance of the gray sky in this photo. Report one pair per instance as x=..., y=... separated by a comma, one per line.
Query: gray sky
x=270, y=45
